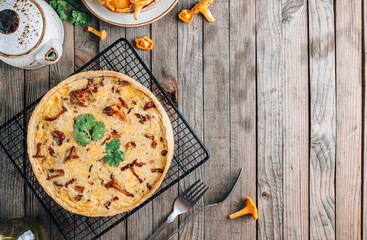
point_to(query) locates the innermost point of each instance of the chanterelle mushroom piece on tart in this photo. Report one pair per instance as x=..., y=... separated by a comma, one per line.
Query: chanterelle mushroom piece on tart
x=100, y=143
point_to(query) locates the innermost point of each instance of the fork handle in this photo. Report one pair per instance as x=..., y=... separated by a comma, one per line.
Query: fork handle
x=192, y=217
x=170, y=219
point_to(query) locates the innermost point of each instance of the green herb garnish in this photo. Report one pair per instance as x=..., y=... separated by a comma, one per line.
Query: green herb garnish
x=87, y=129
x=114, y=156
x=78, y=17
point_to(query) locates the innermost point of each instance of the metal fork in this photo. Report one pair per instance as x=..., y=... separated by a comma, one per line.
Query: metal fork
x=210, y=205
x=183, y=203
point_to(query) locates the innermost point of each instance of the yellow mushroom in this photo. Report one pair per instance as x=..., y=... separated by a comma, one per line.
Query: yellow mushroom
x=139, y=4
x=203, y=7
x=186, y=15
x=144, y=43
x=138, y=8
x=101, y=34
x=125, y=9
x=249, y=209
x=110, y=6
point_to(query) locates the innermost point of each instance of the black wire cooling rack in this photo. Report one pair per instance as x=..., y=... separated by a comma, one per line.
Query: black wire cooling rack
x=189, y=150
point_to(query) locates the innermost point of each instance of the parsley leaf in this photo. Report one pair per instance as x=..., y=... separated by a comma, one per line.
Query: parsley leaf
x=80, y=18
x=87, y=129
x=114, y=157
x=113, y=145
x=61, y=7
x=81, y=137
x=98, y=131
x=74, y=3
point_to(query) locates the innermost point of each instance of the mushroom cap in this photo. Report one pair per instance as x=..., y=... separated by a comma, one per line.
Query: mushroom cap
x=186, y=15
x=143, y=2
x=252, y=207
x=201, y=6
x=144, y=43
x=103, y=35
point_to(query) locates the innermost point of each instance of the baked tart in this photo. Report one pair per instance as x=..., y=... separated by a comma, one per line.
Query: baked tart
x=100, y=143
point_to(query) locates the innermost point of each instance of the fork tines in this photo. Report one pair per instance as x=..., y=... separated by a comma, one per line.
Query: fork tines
x=195, y=192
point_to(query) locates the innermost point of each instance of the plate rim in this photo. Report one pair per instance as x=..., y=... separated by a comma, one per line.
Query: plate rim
x=131, y=25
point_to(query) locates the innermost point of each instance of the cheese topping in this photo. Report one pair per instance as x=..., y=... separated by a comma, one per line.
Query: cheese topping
x=85, y=182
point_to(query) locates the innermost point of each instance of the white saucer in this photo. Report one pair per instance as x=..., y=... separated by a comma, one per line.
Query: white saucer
x=148, y=15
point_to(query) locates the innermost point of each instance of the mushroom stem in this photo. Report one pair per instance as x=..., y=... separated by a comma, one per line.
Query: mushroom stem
x=138, y=8
x=208, y=15
x=249, y=209
x=243, y=211
x=102, y=35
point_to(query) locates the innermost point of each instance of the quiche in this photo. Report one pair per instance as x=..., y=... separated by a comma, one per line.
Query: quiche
x=100, y=143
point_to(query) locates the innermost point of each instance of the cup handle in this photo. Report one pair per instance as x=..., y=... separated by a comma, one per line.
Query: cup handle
x=50, y=53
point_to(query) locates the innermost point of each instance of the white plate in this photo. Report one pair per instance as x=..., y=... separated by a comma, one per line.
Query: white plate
x=148, y=15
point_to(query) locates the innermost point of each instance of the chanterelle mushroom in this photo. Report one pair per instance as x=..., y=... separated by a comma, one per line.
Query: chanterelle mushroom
x=115, y=109
x=186, y=15
x=249, y=209
x=101, y=34
x=203, y=7
x=144, y=43
x=139, y=4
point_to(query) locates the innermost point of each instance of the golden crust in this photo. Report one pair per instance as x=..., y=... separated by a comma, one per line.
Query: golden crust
x=32, y=129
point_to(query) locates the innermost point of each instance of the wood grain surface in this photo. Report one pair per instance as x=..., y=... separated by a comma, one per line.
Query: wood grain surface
x=322, y=119
x=348, y=40
x=275, y=87
x=12, y=200
x=270, y=95
x=216, y=76
x=242, y=107
x=295, y=128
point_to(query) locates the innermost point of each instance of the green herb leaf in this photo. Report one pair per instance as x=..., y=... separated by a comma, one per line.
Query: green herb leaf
x=61, y=7
x=114, y=157
x=81, y=137
x=80, y=18
x=87, y=129
x=74, y=3
x=98, y=131
x=113, y=145
x=84, y=122
x=53, y=4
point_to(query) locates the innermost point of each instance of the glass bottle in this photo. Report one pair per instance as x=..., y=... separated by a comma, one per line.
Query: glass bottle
x=20, y=228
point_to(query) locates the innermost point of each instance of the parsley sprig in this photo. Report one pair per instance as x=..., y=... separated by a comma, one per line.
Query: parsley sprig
x=87, y=129
x=78, y=17
x=114, y=156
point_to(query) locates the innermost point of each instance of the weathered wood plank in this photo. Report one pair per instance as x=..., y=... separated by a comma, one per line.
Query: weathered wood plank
x=190, y=103
x=270, y=91
x=296, y=135
x=59, y=72
x=164, y=68
x=217, y=172
x=364, y=78
x=36, y=84
x=243, y=111
x=139, y=225
x=323, y=121
x=65, y=66
x=11, y=102
x=348, y=118
x=113, y=33
x=86, y=44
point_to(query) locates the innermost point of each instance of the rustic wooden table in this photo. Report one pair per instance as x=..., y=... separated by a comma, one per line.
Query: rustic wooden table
x=275, y=87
